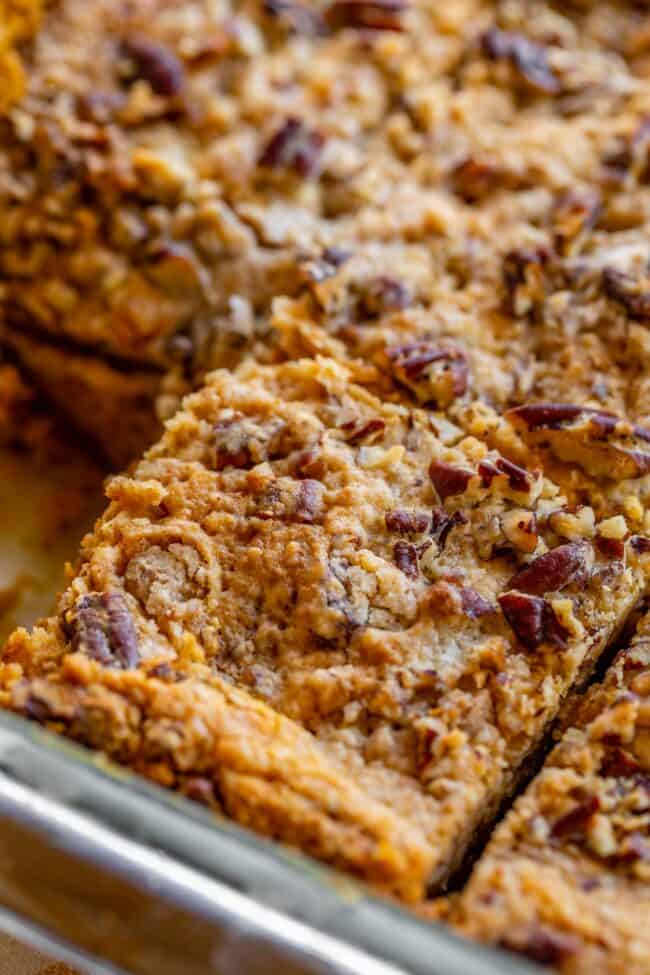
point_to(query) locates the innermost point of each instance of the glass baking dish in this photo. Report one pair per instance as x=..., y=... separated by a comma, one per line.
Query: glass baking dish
x=113, y=874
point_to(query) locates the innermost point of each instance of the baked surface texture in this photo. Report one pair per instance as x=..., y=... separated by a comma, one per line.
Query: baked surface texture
x=416, y=607
x=468, y=174
x=565, y=879
x=391, y=256
x=19, y=20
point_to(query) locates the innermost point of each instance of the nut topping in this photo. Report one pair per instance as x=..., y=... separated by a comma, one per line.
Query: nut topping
x=407, y=522
x=294, y=147
x=553, y=570
x=102, y=628
x=367, y=14
x=529, y=58
x=449, y=480
x=531, y=619
x=363, y=432
x=575, y=822
x=406, y=558
x=633, y=293
x=602, y=443
x=442, y=370
x=156, y=64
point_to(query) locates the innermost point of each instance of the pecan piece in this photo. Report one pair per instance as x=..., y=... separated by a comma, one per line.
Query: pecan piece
x=574, y=823
x=406, y=558
x=364, y=432
x=529, y=58
x=523, y=274
x=382, y=295
x=449, y=480
x=630, y=292
x=102, y=628
x=295, y=17
x=295, y=147
x=437, y=374
x=619, y=764
x=640, y=544
x=531, y=619
x=442, y=523
x=367, y=14
x=473, y=179
x=544, y=945
x=553, y=570
x=574, y=215
x=407, y=522
x=308, y=502
x=154, y=63
x=518, y=477
x=600, y=442
x=474, y=605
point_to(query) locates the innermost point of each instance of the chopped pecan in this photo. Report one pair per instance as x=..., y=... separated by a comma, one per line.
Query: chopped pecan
x=200, y=789
x=553, y=570
x=640, y=544
x=531, y=619
x=367, y=14
x=296, y=17
x=101, y=626
x=474, y=605
x=449, y=480
x=602, y=443
x=524, y=279
x=619, y=764
x=529, y=58
x=612, y=548
x=155, y=63
x=518, y=477
x=633, y=293
x=574, y=215
x=544, y=945
x=442, y=523
x=382, y=295
x=309, y=463
x=574, y=823
x=308, y=502
x=319, y=269
x=443, y=370
x=406, y=558
x=364, y=431
x=473, y=179
x=295, y=147
x=630, y=156
x=407, y=522
x=520, y=529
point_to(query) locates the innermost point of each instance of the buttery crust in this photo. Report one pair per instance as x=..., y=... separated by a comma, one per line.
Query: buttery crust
x=418, y=603
x=565, y=878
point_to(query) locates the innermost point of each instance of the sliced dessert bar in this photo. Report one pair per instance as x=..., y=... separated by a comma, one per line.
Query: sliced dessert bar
x=419, y=604
x=418, y=174
x=565, y=879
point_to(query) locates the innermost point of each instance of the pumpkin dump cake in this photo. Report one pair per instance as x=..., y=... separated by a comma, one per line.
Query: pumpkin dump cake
x=413, y=170
x=415, y=609
x=392, y=258
x=566, y=877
